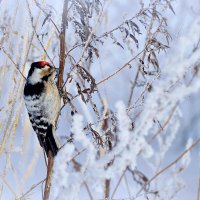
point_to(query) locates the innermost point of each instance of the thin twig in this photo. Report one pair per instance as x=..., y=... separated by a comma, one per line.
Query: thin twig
x=133, y=86
x=121, y=68
x=47, y=14
x=119, y=181
x=143, y=57
x=88, y=190
x=8, y=185
x=198, y=191
x=107, y=32
x=113, y=74
x=32, y=188
x=16, y=66
x=89, y=39
x=34, y=28
x=127, y=186
x=164, y=125
x=170, y=116
x=169, y=165
x=77, y=167
x=117, y=28
x=149, y=36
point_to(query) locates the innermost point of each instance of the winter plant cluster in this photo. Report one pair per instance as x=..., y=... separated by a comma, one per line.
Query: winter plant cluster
x=133, y=143
x=115, y=131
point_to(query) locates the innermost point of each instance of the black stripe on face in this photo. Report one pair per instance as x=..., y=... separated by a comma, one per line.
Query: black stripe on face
x=36, y=89
x=45, y=78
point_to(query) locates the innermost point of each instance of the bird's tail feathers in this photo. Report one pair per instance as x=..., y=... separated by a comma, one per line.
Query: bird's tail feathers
x=48, y=141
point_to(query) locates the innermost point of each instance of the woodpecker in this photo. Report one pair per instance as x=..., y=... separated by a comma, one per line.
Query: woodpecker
x=43, y=102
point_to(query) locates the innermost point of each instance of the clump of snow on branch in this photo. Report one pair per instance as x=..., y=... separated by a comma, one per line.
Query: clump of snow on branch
x=61, y=176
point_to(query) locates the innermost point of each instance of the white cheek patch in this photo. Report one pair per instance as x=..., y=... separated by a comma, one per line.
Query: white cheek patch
x=35, y=77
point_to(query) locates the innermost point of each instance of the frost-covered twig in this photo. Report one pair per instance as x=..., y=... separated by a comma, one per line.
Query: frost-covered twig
x=47, y=15
x=194, y=144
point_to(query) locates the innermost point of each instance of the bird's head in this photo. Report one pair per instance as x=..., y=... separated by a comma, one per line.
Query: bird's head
x=41, y=71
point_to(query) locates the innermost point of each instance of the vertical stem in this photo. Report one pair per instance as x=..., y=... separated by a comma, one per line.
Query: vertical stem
x=62, y=44
x=49, y=176
x=198, y=192
x=107, y=188
x=119, y=181
x=148, y=36
x=59, y=84
x=133, y=86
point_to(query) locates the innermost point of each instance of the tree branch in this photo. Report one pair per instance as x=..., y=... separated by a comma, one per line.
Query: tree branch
x=49, y=176
x=62, y=45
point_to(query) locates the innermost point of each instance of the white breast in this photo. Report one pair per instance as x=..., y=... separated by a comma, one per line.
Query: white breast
x=52, y=102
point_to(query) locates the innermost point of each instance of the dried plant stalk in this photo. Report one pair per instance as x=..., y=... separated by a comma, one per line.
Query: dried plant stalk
x=49, y=176
x=62, y=45
x=59, y=83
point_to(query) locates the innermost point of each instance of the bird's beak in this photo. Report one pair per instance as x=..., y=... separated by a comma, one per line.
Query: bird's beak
x=57, y=69
x=54, y=69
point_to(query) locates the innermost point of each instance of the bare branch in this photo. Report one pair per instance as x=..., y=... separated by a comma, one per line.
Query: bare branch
x=49, y=176
x=121, y=68
x=62, y=45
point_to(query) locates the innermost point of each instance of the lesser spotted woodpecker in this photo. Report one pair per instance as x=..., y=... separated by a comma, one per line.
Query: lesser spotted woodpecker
x=43, y=101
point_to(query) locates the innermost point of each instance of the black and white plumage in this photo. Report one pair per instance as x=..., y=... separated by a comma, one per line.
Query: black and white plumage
x=43, y=102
